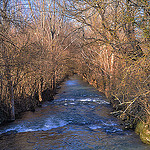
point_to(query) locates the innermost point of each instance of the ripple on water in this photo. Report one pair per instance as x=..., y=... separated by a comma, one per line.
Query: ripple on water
x=45, y=125
x=77, y=119
x=80, y=101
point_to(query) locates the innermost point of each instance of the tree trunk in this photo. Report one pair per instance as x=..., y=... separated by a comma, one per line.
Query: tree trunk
x=10, y=100
x=40, y=90
x=12, y=104
x=54, y=81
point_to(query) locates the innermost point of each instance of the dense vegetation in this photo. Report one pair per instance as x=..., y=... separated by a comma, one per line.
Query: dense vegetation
x=104, y=41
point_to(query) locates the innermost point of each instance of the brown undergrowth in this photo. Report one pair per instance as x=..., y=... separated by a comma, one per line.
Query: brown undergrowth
x=129, y=94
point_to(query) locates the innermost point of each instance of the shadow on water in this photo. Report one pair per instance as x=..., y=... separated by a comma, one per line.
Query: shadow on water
x=77, y=119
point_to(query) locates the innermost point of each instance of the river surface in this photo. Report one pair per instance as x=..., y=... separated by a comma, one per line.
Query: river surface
x=77, y=119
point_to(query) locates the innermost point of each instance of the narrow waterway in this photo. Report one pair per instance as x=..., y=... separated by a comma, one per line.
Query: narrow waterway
x=78, y=119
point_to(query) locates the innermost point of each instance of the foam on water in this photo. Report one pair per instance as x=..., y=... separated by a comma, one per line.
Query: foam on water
x=109, y=126
x=107, y=129
x=94, y=127
x=49, y=124
x=96, y=100
x=109, y=123
x=73, y=101
x=54, y=123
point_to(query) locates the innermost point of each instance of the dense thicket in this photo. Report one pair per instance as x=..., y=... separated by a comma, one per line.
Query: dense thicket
x=33, y=54
x=114, y=44
x=104, y=41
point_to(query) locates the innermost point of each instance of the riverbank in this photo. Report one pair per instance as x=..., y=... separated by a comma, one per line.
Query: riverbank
x=23, y=104
x=130, y=113
x=130, y=122
x=78, y=118
x=29, y=103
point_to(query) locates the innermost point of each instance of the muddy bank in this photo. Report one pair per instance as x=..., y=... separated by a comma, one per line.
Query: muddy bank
x=28, y=103
x=23, y=104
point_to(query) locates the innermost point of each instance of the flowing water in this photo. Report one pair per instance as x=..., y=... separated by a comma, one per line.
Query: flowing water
x=78, y=119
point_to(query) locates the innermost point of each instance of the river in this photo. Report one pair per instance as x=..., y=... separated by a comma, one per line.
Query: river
x=77, y=119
